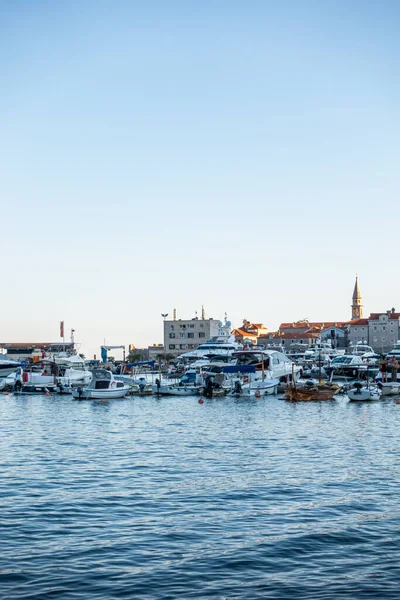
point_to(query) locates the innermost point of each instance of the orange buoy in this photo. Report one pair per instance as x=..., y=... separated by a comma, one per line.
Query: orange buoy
x=258, y=394
x=6, y=393
x=397, y=401
x=47, y=393
x=201, y=401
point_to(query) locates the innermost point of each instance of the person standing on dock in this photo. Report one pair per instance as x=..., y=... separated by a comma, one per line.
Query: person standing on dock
x=395, y=367
x=383, y=369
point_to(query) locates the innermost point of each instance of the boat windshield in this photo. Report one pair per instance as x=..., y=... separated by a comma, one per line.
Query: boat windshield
x=252, y=359
x=342, y=360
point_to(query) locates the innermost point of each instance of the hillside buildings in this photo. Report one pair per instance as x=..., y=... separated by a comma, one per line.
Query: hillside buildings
x=379, y=330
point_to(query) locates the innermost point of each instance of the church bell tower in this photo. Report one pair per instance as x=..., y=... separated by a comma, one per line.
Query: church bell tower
x=357, y=306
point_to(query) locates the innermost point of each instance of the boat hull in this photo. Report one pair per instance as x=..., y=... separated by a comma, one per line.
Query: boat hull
x=363, y=395
x=262, y=388
x=389, y=389
x=6, y=371
x=171, y=390
x=34, y=390
x=110, y=394
x=306, y=394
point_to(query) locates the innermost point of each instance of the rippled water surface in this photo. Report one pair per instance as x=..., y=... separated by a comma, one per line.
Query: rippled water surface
x=167, y=498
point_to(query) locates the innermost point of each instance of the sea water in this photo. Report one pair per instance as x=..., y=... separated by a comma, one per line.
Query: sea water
x=164, y=498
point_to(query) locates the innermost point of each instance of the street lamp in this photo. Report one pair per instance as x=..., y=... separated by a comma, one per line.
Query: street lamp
x=164, y=316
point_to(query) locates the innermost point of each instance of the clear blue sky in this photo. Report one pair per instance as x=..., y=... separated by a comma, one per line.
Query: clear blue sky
x=161, y=154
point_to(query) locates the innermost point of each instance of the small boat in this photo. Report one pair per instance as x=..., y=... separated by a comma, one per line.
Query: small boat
x=102, y=386
x=389, y=389
x=363, y=393
x=262, y=387
x=311, y=390
x=188, y=385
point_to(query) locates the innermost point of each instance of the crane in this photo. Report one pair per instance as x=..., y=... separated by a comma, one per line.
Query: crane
x=104, y=350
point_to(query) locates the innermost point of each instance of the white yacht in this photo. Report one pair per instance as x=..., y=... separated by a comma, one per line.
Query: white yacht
x=223, y=344
x=278, y=364
x=72, y=369
x=7, y=366
x=363, y=350
x=395, y=351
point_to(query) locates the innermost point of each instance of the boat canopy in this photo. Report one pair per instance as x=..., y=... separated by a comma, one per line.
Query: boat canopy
x=239, y=369
x=143, y=363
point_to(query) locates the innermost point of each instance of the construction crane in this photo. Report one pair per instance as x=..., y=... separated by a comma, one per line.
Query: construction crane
x=104, y=350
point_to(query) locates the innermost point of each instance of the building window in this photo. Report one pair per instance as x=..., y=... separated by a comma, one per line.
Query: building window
x=190, y=335
x=182, y=346
x=375, y=327
x=172, y=327
x=182, y=335
x=384, y=328
x=182, y=326
x=172, y=346
x=171, y=335
x=201, y=325
x=202, y=334
x=191, y=326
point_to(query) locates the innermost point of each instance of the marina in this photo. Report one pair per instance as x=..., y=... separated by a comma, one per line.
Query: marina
x=200, y=332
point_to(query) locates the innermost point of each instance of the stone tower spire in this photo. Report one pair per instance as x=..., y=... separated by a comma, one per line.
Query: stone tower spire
x=357, y=305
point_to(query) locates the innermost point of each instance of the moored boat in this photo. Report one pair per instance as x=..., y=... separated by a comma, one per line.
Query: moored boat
x=102, y=386
x=363, y=393
x=311, y=390
x=392, y=388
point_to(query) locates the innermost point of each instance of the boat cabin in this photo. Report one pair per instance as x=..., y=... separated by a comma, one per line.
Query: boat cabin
x=104, y=380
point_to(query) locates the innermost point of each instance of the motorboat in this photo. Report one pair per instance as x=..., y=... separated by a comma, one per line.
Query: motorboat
x=7, y=366
x=360, y=349
x=279, y=365
x=137, y=384
x=37, y=378
x=395, y=351
x=363, y=393
x=102, y=386
x=261, y=387
x=349, y=366
x=71, y=370
x=392, y=388
x=191, y=383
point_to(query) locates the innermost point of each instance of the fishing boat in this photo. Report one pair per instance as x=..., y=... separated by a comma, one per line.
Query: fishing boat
x=38, y=378
x=363, y=393
x=311, y=390
x=102, y=386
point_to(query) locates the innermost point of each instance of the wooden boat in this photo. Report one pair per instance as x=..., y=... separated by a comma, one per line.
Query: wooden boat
x=311, y=391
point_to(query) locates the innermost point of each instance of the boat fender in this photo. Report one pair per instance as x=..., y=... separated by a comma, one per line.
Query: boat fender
x=258, y=394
